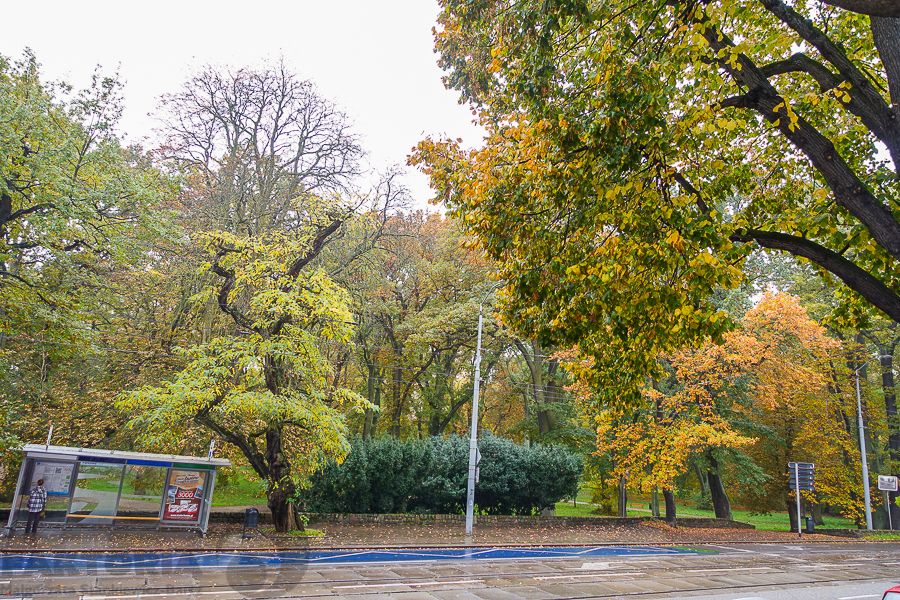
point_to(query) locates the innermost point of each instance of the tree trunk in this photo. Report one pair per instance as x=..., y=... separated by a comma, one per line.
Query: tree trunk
x=281, y=487
x=792, y=510
x=541, y=387
x=369, y=422
x=669, y=496
x=886, y=360
x=890, y=399
x=654, y=504
x=702, y=480
x=720, y=502
x=623, y=498
x=816, y=511
x=396, y=384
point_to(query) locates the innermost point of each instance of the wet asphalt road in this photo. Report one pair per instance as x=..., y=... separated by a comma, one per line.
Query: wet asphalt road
x=842, y=571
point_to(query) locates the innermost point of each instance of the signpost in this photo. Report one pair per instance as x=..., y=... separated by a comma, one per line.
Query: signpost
x=887, y=484
x=801, y=480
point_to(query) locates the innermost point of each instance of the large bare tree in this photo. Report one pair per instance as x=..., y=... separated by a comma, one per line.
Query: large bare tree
x=254, y=142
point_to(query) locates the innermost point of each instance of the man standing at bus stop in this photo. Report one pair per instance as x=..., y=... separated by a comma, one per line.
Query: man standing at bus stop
x=37, y=499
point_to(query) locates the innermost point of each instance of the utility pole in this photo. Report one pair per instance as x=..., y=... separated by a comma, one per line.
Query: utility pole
x=862, y=451
x=473, y=437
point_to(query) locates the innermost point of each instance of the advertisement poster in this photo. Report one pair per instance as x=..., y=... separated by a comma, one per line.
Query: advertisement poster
x=57, y=477
x=184, y=495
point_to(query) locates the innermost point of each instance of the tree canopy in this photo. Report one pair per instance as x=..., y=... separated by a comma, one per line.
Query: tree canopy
x=636, y=153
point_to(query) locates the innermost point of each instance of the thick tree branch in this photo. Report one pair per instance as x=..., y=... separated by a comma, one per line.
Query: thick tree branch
x=801, y=63
x=867, y=103
x=878, y=8
x=742, y=101
x=315, y=248
x=849, y=191
x=690, y=189
x=856, y=278
x=225, y=290
x=886, y=35
x=254, y=457
x=23, y=212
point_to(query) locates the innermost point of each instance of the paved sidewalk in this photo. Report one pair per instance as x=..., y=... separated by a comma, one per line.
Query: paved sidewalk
x=375, y=535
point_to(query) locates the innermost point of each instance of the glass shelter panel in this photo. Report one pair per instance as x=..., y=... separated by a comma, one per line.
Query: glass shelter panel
x=96, y=493
x=142, y=490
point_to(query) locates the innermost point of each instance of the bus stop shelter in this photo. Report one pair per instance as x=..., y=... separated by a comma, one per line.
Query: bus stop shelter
x=95, y=487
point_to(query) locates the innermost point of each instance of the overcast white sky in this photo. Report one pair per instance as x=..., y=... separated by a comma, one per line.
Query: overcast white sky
x=373, y=58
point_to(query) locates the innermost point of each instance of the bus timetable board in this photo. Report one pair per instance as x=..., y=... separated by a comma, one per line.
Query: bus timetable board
x=57, y=476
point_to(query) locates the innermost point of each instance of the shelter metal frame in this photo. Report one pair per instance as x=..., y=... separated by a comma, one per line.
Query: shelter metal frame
x=202, y=470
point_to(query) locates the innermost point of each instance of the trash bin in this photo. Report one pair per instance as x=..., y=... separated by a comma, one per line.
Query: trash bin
x=251, y=521
x=810, y=525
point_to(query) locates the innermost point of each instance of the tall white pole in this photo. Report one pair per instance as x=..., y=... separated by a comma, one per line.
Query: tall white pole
x=862, y=451
x=797, y=496
x=473, y=438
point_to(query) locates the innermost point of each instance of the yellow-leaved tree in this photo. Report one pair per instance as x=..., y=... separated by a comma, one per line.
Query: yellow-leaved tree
x=798, y=397
x=267, y=388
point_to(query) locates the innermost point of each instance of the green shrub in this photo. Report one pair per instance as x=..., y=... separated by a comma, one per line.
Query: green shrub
x=387, y=475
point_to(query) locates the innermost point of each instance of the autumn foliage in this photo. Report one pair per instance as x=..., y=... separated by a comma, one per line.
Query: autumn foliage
x=766, y=393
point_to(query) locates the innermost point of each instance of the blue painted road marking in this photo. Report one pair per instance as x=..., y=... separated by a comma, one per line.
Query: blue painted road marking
x=11, y=563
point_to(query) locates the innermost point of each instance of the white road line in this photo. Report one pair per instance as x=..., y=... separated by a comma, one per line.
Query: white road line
x=604, y=566
x=595, y=565
x=551, y=577
x=406, y=584
x=772, y=554
x=864, y=596
x=735, y=549
x=726, y=569
x=213, y=593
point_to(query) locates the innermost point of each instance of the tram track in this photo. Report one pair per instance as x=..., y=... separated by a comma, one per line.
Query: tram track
x=289, y=585
x=258, y=594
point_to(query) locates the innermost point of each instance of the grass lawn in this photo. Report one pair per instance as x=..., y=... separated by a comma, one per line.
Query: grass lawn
x=305, y=533
x=243, y=489
x=584, y=509
x=770, y=522
x=882, y=535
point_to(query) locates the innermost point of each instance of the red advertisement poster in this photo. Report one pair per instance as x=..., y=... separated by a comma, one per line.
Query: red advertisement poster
x=184, y=495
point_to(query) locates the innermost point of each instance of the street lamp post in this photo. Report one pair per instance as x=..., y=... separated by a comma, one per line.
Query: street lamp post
x=473, y=436
x=862, y=447
x=862, y=451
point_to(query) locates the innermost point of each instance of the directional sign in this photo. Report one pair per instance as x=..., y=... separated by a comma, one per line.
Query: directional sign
x=887, y=483
x=802, y=466
x=802, y=473
x=800, y=480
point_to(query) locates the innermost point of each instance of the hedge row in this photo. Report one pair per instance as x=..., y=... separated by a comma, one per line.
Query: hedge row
x=387, y=475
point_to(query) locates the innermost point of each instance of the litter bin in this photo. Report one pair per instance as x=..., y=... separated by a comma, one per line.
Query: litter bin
x=810, y=525
x=251, y=521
